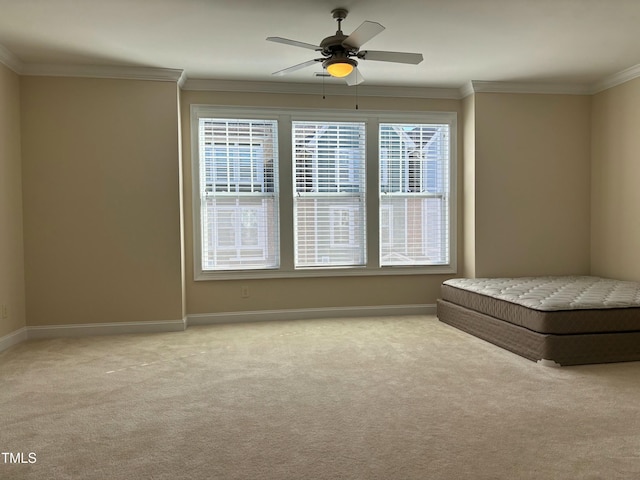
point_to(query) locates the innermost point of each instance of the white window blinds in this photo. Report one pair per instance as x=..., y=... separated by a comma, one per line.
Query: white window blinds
x=414, y=194
x=239, y=193
x=329, y=194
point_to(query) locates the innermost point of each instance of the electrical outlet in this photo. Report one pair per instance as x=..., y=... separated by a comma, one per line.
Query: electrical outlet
x=244, y=291
x=5, y=312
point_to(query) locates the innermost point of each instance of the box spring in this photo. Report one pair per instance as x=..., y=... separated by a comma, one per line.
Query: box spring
x=568, y=349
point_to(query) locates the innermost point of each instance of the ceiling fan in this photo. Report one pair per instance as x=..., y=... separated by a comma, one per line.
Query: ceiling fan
x=340, y=52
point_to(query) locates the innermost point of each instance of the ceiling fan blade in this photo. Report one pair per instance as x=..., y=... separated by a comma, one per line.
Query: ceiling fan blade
x=297, y=67
x=396, y=57
x=293, y=43
x=354, y=78
x=365, y=32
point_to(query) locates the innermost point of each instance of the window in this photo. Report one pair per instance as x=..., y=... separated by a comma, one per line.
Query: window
x=238, y=194
x=329, y=197
x=414, y=194
x=290, y=193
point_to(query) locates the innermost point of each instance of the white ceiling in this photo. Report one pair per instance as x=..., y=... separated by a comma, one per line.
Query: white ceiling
x=559, y=41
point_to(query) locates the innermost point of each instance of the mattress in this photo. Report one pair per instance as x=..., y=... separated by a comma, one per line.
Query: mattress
x=558, y=305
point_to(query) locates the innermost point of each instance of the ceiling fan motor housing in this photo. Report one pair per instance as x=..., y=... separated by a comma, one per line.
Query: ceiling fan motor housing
x=333, y=44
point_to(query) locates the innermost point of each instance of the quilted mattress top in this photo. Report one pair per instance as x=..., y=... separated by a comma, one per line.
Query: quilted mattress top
x=556, y=293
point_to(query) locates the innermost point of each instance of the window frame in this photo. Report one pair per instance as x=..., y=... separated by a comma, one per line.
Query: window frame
x=285, y=117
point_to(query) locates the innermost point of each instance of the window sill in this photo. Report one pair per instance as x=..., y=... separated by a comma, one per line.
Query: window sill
x=325, y=272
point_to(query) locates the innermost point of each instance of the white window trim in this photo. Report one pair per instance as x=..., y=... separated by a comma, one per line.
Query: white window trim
x=372, y=120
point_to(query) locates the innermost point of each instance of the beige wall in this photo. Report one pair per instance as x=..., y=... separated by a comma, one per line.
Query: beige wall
x=532, y=184
x=615, y=192
x=11, y=237
x=101, y=200
x=224, y=296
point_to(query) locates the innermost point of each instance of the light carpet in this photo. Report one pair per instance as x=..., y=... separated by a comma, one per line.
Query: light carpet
x=375, y=398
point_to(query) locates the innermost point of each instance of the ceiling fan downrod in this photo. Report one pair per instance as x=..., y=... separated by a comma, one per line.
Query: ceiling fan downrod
x=339, y=14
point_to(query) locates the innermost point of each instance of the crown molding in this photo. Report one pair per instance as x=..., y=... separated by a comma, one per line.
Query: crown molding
x=616, y=79
x=466, y=90
x=10, y=60
x=104, y=71
x=476, y=86
x=317, y=88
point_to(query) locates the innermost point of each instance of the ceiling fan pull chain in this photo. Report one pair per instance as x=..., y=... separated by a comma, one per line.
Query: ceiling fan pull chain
x=356, y=85
x=323, y=96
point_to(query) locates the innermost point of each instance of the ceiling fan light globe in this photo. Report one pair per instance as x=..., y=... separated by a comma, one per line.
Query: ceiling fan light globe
x=339, y=70
x=340, y=66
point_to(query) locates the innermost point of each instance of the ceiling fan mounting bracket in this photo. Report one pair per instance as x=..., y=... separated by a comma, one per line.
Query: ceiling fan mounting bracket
x=339, y=13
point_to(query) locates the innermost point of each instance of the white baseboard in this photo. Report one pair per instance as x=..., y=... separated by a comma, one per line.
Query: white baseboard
x=13, y=338
x=87, y=329
x=309, y=313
